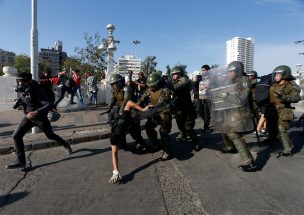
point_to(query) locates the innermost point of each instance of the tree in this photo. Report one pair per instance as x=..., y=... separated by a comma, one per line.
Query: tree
x=23, y=63
x=44, y=65
x=148, y=65
x=90, y=54
x=72, y=62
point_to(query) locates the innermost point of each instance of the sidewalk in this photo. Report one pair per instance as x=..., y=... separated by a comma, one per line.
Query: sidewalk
x=75, y=125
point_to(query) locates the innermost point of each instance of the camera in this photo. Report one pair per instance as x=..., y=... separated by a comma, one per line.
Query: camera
x=18, y=102
x=20, y=89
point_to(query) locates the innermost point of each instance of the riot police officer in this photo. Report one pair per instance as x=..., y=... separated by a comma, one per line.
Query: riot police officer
x=183, y=106
x=252, y=83
x=159, y=97
x=121, y=94
x=35, y=105
x=282, y=93
x=232, y=114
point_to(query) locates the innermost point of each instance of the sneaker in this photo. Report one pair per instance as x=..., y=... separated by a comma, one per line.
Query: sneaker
x=139, y=147
x=196, y=147
x=165, y=157
x=73, y=103
x=68, y=149
x=16, y=165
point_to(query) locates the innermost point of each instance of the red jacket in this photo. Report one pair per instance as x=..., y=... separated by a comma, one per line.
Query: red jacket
x=77, y=78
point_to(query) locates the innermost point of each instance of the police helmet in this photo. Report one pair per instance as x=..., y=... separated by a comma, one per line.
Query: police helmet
x=115, y=78
x=285, y=71
x=252, y=73
x=53, y=116
x=236, y=66
x=153, y=79
x=178, y=70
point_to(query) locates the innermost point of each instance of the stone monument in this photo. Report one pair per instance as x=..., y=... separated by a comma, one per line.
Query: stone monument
x=7, y=91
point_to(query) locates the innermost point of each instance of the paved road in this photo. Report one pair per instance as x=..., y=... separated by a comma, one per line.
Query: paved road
x=206, y=182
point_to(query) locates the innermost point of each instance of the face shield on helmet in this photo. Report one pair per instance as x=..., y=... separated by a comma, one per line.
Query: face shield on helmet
x=253, y=74
x=285, y=72
x=237, y=67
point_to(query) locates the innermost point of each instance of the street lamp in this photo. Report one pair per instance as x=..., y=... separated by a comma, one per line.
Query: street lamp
x=108, y=45
x=135, y=42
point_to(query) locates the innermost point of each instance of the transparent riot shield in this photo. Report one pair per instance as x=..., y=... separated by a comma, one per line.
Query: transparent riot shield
x=230, y=104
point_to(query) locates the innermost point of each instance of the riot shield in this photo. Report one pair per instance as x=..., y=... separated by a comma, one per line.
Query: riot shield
x=230, y=104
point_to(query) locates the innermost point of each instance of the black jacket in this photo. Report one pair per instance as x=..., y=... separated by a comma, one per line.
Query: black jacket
x=35, y=99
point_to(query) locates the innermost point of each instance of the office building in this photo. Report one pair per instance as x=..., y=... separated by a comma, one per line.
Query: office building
x=240, y=49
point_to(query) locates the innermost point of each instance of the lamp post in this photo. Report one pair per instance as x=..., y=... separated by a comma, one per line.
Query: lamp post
x=34, y=48
x=135, y=42
x=108, y=45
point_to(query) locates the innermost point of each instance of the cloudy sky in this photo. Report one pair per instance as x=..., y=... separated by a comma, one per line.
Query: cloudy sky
x=191, y=32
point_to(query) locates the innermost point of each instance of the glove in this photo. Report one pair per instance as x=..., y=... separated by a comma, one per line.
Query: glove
x=278, y=94
x=115, y=178
x=223, y=95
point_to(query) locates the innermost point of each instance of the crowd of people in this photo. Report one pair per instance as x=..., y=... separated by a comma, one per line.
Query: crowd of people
x=228, y=100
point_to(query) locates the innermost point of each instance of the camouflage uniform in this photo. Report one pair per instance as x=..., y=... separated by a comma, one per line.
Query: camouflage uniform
x=183, y=107
x=232, y=138
x=252, y=101
x=120, y=120
x=282, y=94
x=159, y=96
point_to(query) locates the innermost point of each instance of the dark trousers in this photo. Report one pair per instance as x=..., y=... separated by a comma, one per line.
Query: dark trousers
x=24, y=126
x=120, y=129
x=93, y=94
x=62, y=93
x=204, y=108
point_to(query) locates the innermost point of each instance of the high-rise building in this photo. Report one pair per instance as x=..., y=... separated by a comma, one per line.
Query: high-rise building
x=54, y=57
x=240, y=49
x=129, y=62
x=6, y=58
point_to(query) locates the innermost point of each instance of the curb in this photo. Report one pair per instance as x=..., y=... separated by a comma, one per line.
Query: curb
x=46, y=143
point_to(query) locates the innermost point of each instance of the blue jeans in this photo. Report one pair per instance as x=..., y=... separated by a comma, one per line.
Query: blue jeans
x=78, y=91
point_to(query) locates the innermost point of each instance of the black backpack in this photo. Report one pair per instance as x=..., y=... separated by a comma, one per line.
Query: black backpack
x=262, y=89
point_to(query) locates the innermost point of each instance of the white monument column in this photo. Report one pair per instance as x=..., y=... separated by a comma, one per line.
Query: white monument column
x=109, y=46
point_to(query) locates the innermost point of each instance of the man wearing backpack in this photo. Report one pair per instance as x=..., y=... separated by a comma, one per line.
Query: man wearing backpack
x=282, y=93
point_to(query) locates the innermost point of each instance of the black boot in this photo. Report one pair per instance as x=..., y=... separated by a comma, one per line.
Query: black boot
x=248, y=167
x=17, y=164
x=229, y=150
x=68, y=148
